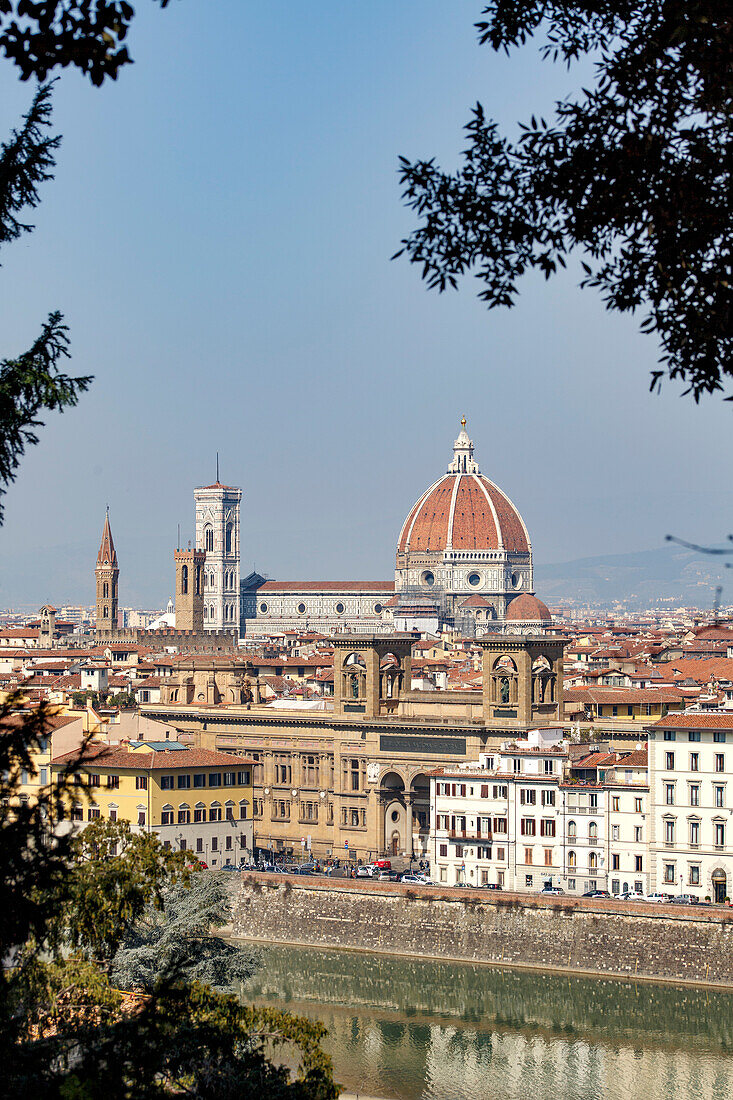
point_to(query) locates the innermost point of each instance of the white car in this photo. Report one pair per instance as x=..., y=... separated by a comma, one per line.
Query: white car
x=629, y=895
x=657, y=897
x=363, y=872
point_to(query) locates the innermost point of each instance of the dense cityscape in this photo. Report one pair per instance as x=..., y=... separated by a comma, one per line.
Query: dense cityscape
x=366, y=635
x=573, y=756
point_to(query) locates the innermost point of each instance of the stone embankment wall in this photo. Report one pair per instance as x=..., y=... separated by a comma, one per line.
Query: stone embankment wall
x=680, y=944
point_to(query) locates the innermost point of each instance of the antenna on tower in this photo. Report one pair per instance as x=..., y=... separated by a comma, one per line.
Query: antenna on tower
x=217, y=467
x=178, y=543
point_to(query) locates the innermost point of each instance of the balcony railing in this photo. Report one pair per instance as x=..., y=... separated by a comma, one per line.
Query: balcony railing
x=468, y=834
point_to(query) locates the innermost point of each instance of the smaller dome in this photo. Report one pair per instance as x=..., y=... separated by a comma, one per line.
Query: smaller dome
x=527, y=609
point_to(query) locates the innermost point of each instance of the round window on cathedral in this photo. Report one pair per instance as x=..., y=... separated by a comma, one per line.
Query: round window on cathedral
x=301, y=609
x=378, y=609
x=474, y=579
x=340, y=609
x=428, y=578
x=263, y=608
x=517, y=580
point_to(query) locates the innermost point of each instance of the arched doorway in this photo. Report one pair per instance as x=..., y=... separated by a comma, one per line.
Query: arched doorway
x=720, y=886
x=394, y=811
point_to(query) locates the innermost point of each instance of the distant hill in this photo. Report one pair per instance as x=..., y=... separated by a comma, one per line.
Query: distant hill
x=670, y=575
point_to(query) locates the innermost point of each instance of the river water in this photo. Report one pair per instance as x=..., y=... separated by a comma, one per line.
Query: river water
x=404, y=1029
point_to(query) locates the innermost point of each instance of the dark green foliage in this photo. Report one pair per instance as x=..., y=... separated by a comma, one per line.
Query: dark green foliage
x=26, y=161
x=177, y=939
x=65, y=1031
x=41, y=35
x=29, y=385
x=33, y=859
x=114, y=875
x=31, y=382
x=635, y=172
x=182, y=1041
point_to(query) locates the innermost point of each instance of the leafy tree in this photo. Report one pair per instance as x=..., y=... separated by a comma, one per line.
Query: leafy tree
x=114, y=874
x=176, y=938
x=42, y=36
x=122, y=699
x=32, y=381
x=634, y=172
x=33, y=857
x=39, y=37
x=65, y=1031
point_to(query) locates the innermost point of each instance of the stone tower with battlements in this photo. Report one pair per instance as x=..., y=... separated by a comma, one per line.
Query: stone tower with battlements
x=190, y=589
x=107, y=575
x=217, y=534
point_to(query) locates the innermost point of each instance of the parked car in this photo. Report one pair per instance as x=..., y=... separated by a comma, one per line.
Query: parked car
x=596, y=894
x=462, y=886
x=551, y=892
x=492, y=886
x=364, y=872
x=383, y=864
x=657, y=897
x=229, y=867
x=417, y=880
x=685, y=899
x=629, y=895
x=386, y=876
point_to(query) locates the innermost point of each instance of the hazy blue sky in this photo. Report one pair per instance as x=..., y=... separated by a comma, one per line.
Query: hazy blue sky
x=218, y=236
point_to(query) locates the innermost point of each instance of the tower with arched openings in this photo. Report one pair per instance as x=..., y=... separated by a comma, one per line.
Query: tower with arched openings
x=522, y=678
x=217, y=535
x=190, y=566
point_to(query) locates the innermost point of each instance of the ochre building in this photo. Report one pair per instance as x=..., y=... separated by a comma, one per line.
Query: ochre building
x=349, y=777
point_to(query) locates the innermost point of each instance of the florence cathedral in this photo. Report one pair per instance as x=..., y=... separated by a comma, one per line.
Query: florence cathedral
x=464, y=561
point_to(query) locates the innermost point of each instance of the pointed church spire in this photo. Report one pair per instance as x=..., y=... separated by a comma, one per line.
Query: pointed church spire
x=107, y=554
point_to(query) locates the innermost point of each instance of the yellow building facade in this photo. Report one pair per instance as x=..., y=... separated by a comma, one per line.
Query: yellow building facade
x=194, y=799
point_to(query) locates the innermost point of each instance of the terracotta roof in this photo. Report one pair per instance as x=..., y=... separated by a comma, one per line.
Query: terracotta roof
x=639, y=758
x=623, y=695
x=116, y=756
x=697, y=720
x=55, y=721
x=475, y=601
x=596, y=760
x=218, y=485
x=526, y=608
x=463, y=512
x=107, y=554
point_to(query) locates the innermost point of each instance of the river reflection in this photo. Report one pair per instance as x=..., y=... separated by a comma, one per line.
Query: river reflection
x=412, y=1030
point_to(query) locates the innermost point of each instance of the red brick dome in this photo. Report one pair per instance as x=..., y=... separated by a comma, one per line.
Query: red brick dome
x=463, y=511
x=527, y=609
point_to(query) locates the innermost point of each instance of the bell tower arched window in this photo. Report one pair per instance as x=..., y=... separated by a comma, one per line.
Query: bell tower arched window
x=228, y=540
x=184, y=580
x=208, y=537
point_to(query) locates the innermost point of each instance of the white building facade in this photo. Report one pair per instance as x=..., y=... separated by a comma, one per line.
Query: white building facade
x=327, y=607
x=691, y=819
x=520, y=820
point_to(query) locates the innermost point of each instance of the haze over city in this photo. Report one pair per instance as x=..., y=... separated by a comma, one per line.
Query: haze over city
x=219, y=236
